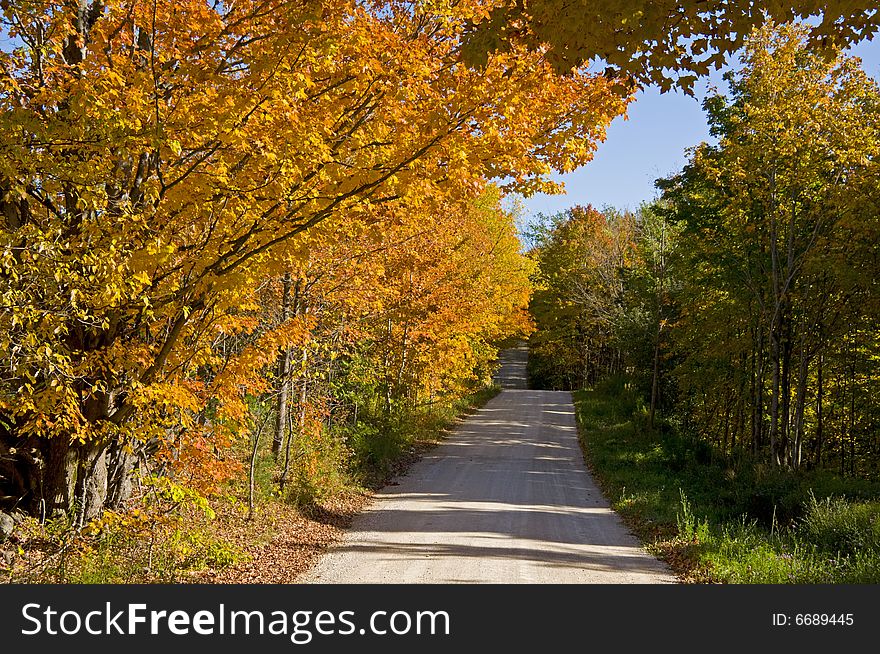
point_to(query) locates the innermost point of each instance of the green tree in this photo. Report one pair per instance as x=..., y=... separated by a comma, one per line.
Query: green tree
x=649, y=303
x=577, y=304
x=770, y=220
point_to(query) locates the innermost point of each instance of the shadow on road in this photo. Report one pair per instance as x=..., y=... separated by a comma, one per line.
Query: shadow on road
x=507, y=498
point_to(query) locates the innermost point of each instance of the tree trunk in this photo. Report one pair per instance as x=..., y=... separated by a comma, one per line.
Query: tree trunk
x=785, y=396
x=819, y=426
x=58, y=479
x=120, y=466
x=281, y=407
x=402, y=367
x=852, y=418
x=758, y=393
x=91, y=483
x=728, y=408
x=655, y=378
x=252, y=469
x=386, y=364
x=303, y=397
x=801, y=398
x=774, y=399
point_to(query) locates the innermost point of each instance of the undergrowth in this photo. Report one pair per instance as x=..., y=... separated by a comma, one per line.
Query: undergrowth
x=176, y=538
x=717, y=520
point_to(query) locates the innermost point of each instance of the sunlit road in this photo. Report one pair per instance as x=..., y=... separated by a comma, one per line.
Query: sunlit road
x=505, y=499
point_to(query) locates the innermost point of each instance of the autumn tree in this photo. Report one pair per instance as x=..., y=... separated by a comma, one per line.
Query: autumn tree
x=774, y=217
x=163, y=160
x=403, y=317
x=580, y=256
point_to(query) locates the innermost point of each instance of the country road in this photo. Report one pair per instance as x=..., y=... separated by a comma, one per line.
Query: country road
x=505, y=499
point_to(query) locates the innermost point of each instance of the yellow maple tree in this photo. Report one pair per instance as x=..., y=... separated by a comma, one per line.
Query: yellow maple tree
x=161, y=160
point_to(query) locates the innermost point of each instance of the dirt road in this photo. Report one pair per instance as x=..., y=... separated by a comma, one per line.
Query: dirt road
x=505, y=499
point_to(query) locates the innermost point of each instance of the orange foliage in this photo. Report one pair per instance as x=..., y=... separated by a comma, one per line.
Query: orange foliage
x=164, y=162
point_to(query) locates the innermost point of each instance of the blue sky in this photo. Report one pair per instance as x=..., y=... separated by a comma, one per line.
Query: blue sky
x=650, y=144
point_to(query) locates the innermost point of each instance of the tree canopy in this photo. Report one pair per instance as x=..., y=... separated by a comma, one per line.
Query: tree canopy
x=162, y=162
x=662, y=43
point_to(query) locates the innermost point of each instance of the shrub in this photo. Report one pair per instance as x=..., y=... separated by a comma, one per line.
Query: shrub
x=840, y=527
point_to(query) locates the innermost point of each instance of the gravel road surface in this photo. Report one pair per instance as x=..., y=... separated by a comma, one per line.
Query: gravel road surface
x=505, y=499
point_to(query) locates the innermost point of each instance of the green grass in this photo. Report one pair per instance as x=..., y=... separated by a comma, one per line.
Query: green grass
x=122, y=548
x=717, y=521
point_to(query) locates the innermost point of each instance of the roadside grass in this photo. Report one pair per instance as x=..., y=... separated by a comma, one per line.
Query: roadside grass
x=330, y=479
x=717, y=520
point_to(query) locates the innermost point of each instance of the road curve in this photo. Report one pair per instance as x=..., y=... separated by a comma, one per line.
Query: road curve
x=505, y=499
